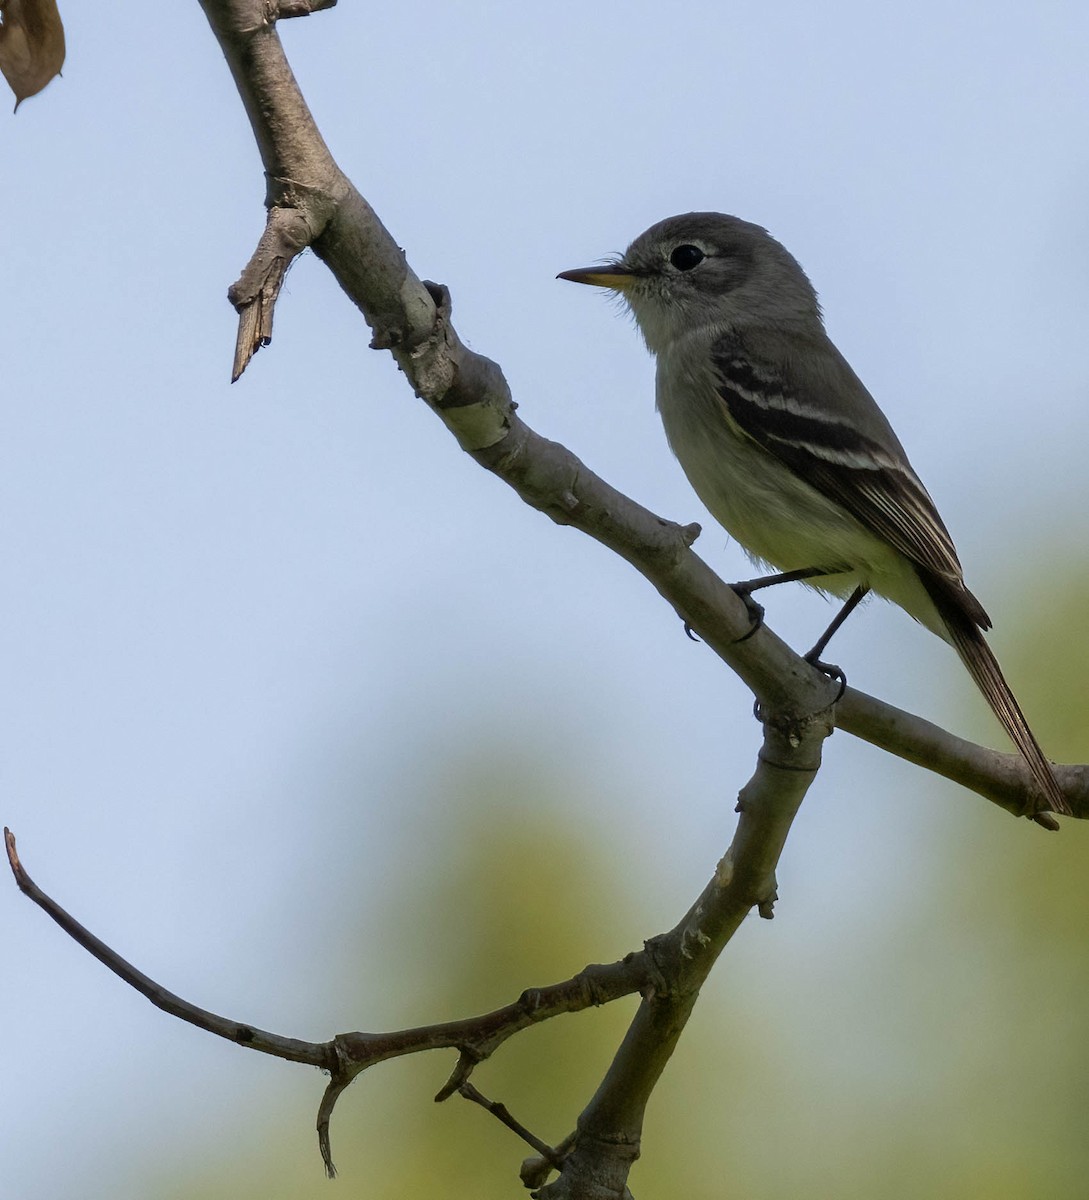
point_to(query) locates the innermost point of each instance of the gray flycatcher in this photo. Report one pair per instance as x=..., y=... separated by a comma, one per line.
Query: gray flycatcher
x=786, y=447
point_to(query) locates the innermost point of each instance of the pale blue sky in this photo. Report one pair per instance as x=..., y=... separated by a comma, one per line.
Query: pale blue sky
x=227, y=606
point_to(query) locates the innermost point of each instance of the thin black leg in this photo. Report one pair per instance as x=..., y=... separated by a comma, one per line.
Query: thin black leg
x=746, y=587
x=814, y=655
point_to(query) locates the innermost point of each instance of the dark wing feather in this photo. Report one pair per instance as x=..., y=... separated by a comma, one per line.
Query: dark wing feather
x=850, y=456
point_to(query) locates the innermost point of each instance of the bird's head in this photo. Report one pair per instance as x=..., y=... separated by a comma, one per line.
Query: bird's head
x=704, y=270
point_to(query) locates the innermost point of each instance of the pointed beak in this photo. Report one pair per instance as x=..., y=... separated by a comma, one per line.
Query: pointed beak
x=616, y=277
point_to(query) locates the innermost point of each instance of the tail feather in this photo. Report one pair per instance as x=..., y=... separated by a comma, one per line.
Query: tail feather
x=964, y=632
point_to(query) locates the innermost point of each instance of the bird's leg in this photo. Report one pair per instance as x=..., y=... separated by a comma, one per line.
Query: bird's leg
x=746, y=587
x=814, y=655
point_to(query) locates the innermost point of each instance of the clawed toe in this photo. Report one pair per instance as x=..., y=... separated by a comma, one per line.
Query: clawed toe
x=832, y=671
x=755, y=611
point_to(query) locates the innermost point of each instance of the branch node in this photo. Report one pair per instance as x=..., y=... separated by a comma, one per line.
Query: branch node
x=467, y=390
x=693, y=941
x=530, y=1000
x=459, y=1077
x=792, y=726
x=534, y=1172
x=656, y=982
x=766, y=905
x=287, y=233
x=724, y=872
x=440, y=293
x=594, y=994
x=283, y=10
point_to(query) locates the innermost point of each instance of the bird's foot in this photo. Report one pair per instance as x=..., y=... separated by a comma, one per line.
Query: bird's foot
x=743, y=592
x=836, y=674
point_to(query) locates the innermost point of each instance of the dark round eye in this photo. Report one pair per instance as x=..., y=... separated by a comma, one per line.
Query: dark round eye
x=684, y=258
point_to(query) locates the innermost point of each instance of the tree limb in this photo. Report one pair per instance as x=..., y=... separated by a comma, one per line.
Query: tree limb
x=347, y=1055
x=668, y=972
x=607, y=1138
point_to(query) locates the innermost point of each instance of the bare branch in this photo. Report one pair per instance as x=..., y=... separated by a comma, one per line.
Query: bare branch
x=476, y=1038
x=287, y=234
x=668, y=972
x=316, y=1054
x=303, y=181
x=502, y=1114
x=1004, y=779
x=281, y=10
x=607, y=1139
x=348, y=1055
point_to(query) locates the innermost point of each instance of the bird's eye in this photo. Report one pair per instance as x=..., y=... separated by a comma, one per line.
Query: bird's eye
x=684, y=258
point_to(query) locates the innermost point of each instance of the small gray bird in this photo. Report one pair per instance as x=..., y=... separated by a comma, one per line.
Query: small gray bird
x=786, y=447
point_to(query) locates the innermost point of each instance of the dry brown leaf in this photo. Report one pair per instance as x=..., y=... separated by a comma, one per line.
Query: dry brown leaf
x=31, y=45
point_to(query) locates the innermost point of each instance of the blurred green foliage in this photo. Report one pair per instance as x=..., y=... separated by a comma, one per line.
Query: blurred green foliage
x=945, y=1058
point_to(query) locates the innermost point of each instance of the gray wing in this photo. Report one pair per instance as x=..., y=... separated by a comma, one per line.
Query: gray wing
x=848, y=452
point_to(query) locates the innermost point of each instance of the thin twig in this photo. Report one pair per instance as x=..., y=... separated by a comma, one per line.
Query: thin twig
x=287, y=234
x=318, y=1054
x=348, y=1055
x=503, y=1114
x=283, y=9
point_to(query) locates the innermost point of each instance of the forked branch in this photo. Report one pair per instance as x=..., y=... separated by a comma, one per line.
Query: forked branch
x=347, y=1055
x=668, y=973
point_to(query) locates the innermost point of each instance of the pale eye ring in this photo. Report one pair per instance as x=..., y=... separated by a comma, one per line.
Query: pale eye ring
x=685, y=257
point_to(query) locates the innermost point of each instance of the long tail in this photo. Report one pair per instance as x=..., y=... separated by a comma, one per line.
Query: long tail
x=962, y=622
